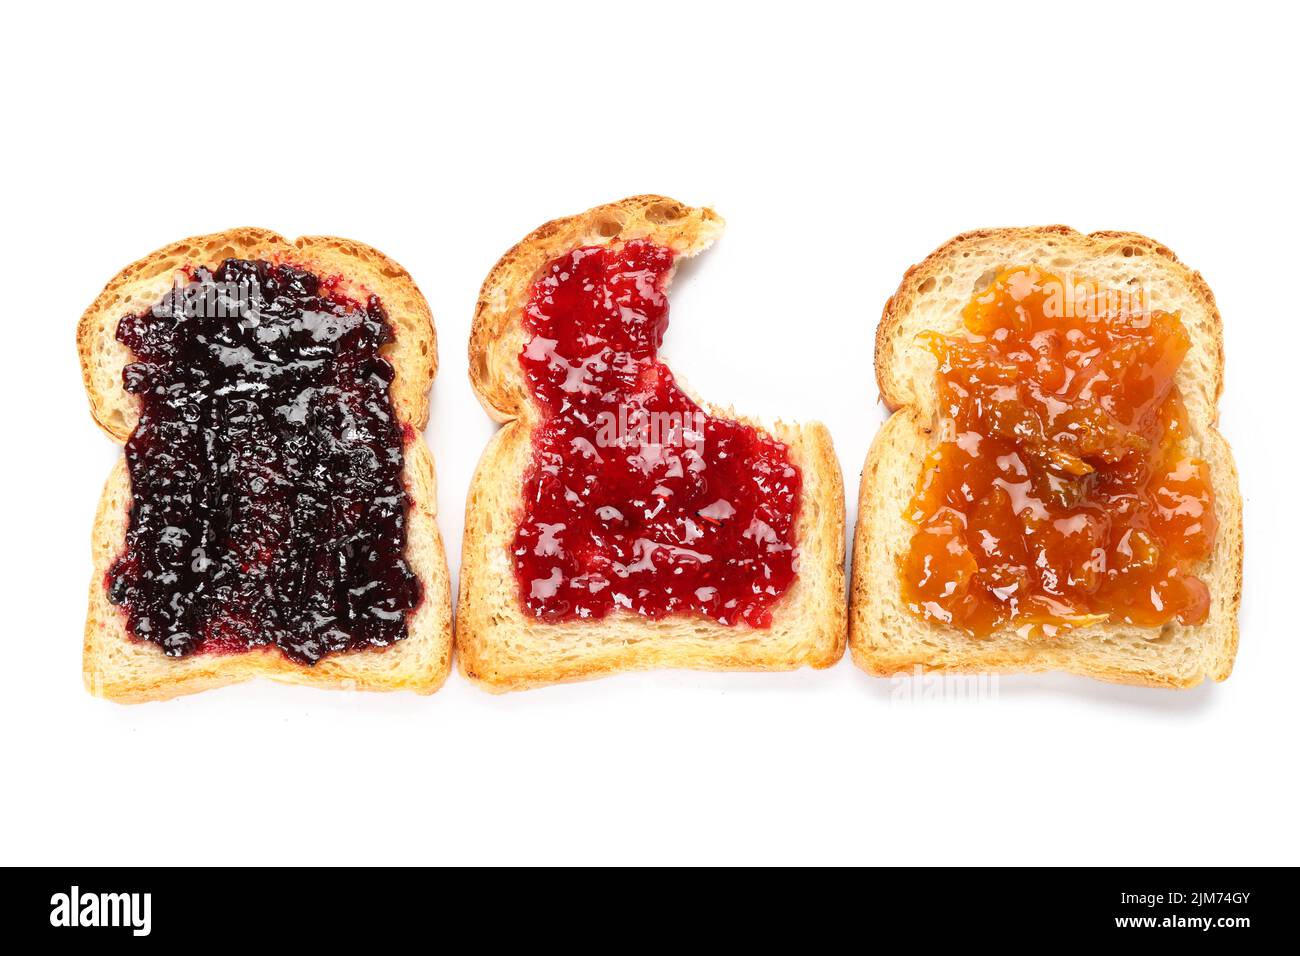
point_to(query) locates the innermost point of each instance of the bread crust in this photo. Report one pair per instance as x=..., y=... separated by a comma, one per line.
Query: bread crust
x=122, y=668
x=493, y=367
x=500, y=649
x=882, y=641
x=903, y=300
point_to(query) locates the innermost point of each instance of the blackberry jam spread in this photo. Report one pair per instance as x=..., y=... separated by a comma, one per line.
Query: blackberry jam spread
x=1062, y=492
x=266, y=470
x=635, y=498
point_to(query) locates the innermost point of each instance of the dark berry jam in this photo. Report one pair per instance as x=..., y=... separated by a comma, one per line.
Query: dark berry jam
x=635, y=497
x=266, y=470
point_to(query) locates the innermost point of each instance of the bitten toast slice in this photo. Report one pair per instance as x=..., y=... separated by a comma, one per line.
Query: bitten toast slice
x=500, y=646
x=885, y=636
x=122, y=668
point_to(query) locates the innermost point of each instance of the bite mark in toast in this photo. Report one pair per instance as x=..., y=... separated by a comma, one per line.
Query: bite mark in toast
x=502, y=647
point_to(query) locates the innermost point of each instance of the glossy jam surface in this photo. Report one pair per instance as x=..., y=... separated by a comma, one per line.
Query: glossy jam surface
x=635, y=498
x=266, y=470
x=1062, y=492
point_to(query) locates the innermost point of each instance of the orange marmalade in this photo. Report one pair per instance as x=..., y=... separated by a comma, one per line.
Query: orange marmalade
x=1061, y=493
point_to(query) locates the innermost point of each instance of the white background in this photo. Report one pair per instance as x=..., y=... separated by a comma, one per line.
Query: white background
x=841, y=145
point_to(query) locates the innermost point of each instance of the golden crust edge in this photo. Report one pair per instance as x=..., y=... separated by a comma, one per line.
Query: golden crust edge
x=338, y=672
x=417, y=372
x=898, y=304
x=685, y=229
x=824, y=648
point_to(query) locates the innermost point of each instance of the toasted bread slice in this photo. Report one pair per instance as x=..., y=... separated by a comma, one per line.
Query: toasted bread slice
x=122, y=668
x=885, y=637
x=503, y=649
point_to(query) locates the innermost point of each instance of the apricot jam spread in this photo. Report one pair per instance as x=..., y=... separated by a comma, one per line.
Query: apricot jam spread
x=1061, y=492
x=635, y=498
x=266, y=470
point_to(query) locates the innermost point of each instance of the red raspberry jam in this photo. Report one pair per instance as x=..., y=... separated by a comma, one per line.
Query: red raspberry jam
x=266, y=470
x=635, y=497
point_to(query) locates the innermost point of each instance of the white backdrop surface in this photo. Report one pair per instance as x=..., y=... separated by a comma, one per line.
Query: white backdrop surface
x=842, y=144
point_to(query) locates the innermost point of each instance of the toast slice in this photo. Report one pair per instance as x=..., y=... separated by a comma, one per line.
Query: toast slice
x=501, y=647
x=884, y=636
x=120, y=667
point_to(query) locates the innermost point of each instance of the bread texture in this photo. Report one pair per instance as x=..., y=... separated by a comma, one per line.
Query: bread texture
x=118, y=666
x=501, y=648
x=885, y=638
